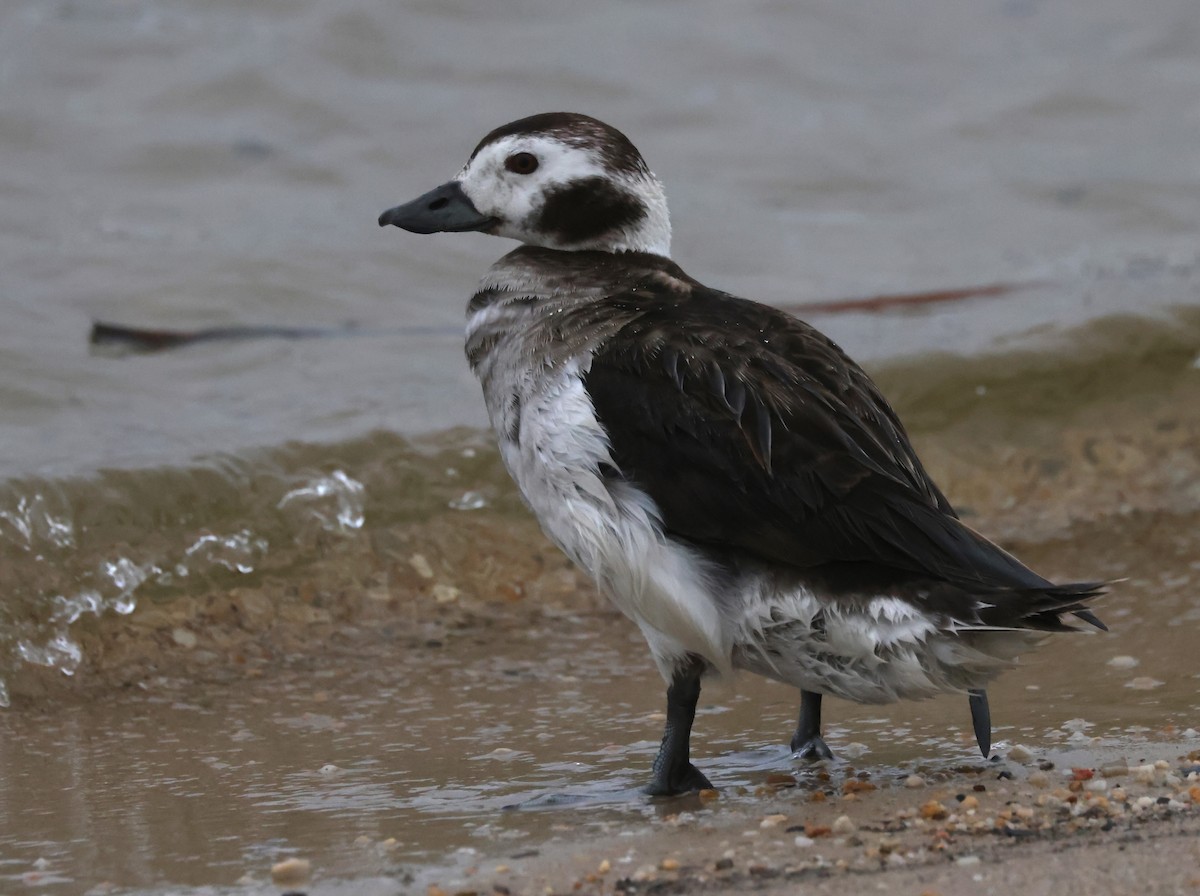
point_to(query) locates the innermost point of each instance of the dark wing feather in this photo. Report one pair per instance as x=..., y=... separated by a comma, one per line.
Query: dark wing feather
x=754, y=432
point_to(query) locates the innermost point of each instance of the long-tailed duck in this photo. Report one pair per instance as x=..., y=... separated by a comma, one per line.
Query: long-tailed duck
x=733, y=481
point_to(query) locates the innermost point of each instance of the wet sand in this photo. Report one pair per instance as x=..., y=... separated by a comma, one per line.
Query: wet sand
x=995, y=829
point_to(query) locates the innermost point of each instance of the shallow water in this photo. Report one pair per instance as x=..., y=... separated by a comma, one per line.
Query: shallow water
x=400, y=757
x=269, y=597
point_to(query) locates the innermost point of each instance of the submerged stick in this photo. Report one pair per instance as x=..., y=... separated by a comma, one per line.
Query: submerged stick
x=144, y=339
x=124, y=338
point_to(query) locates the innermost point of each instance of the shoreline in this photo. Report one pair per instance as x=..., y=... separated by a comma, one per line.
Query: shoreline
x=1031, y=824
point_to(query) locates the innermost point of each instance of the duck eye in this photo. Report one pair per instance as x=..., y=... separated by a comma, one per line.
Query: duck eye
x=521, y=163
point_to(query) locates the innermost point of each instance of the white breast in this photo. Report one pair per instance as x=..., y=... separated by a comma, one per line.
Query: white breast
x=609, y=528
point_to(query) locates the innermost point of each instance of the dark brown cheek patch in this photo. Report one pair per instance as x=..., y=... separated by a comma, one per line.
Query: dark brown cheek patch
x=585, y=209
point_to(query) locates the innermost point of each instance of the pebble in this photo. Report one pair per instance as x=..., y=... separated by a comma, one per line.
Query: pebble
x=772, y=821
x=421, y=566
x=844, y=826
x=914, y=781
x=1144, y=683
x=1144, y=774
x=1123, y=662
x=445, y=594
x=669, y=865
x=291, y=871
x=1018, y=753
x=804, y=842
x=934, y=810
x=854, y=785
x=1038, y=779
x=502, y=753
x=184, y=638
x=967, y=860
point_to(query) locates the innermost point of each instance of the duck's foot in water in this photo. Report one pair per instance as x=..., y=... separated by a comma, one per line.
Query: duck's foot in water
x=807, y=742
x=689, y=780
x=814, y=749
x=673, y=771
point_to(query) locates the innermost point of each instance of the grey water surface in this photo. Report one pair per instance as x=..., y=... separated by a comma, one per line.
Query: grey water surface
x=181, y=164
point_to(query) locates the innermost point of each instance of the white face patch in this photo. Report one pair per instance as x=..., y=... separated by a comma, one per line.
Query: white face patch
x=519, y=201
x=516, y=198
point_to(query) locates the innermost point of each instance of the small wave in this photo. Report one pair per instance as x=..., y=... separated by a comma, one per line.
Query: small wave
x=335, y=501
x=104, y=545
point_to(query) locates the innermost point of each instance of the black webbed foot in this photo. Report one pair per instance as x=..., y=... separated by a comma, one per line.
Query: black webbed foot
x=673, y=770
x=814, y=749
x=689, y=779
x=807, y=742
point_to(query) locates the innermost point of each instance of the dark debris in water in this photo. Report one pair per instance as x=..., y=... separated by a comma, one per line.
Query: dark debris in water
x=121, y=339
x=118, y=338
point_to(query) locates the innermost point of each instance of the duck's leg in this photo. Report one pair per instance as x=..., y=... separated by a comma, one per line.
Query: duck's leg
x=807, y=742
x=981, y=719
x=673, y=770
